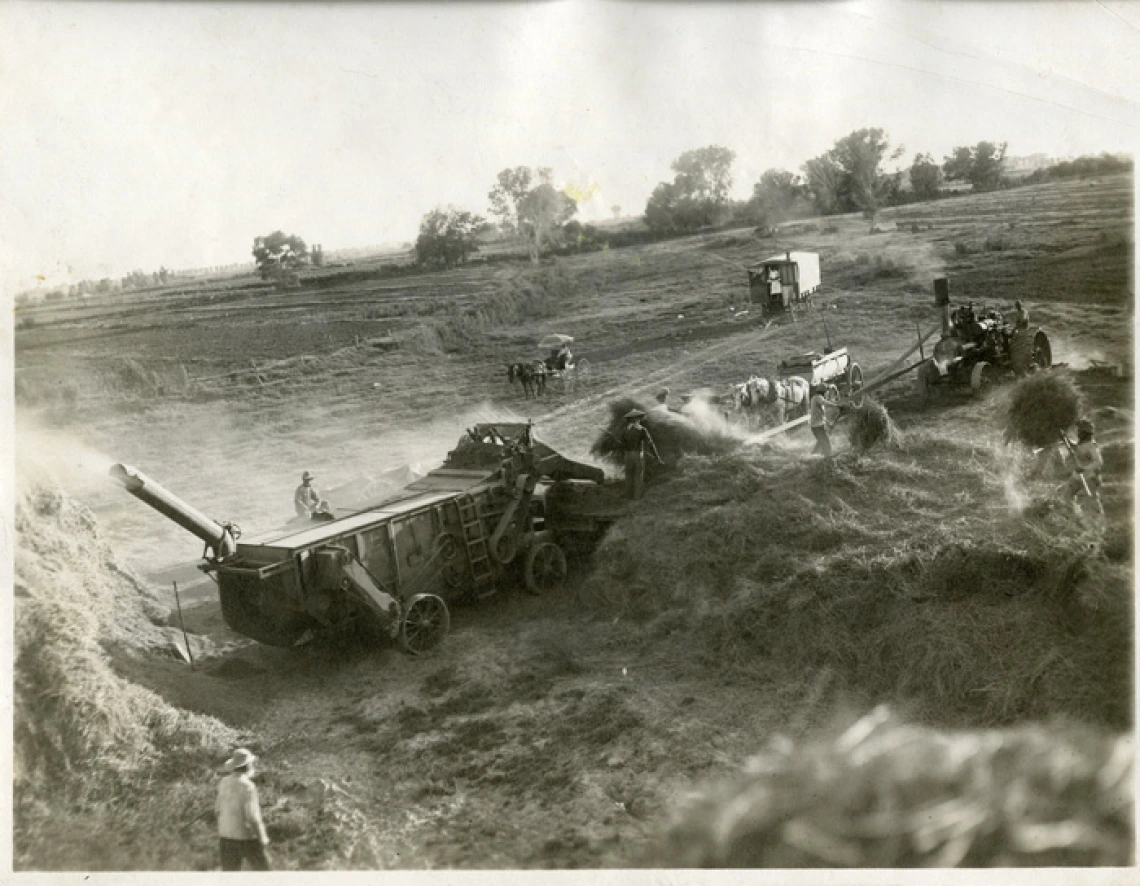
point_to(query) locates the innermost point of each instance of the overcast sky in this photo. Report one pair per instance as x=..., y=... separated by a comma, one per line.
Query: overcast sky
x=140, y=135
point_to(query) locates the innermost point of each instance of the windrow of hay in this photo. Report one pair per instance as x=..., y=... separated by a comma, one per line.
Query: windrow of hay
x=1041, y=407
x=81, y=730
x=909, y=575
x=870, y=424
x=885, y=794
x=674, y=435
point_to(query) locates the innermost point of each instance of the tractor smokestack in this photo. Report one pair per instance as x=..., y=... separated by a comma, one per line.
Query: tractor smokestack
x=138, y=484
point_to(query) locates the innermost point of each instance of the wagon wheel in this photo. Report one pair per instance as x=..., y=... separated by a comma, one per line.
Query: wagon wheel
x=584, y=370
x=545, y=568
x=426, y=622
x=855, y=384
x=982, y=378
x=452, y=570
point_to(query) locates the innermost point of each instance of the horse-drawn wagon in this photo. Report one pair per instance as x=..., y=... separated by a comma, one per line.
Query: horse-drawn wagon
x=832, y=369
x=561, y=365
x=459, y=533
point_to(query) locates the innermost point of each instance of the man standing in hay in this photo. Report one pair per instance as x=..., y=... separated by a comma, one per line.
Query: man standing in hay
x=241, y=831
x=635, y=440
x=823, y=415
x=1087, y=465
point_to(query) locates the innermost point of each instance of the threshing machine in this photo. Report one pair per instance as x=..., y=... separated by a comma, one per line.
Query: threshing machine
x=455, y=534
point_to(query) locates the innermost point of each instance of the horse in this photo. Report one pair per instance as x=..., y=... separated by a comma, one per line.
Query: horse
x=784, y=399
x=532, y=377
x=745, y=401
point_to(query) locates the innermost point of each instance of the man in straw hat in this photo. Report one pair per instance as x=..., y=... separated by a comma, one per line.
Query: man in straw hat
x=635, y=440
x=241, y=831
x=306, y=499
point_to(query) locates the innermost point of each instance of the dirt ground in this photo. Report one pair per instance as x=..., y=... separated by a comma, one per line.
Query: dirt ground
x=533, y=737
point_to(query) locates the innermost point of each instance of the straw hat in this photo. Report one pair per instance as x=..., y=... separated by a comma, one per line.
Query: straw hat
x=307, y=476
x=240, y=759
x=635, y=413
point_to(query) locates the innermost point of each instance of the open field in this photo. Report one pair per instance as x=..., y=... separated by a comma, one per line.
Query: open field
x=562, y=733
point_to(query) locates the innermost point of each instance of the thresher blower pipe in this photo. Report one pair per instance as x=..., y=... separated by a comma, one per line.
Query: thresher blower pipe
x=213, y=533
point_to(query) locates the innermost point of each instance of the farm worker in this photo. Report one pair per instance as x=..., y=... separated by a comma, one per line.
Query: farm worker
x=635, y=439
x=1087, y=463
x=306, y=499
x=662, y=400
x=1020, y=317
x=822, y=411
x=241, y=831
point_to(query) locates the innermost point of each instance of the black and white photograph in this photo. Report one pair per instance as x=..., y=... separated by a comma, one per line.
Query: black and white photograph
x=677, y=440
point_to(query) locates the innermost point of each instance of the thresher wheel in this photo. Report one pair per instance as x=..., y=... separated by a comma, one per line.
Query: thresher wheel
x=545, y=568
x=982, y=378
x=452, y=566
x=855, y=384
x=506, y=548
x=426, y=622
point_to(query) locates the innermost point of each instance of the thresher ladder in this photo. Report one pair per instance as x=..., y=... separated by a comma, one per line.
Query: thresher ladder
x=478, y=551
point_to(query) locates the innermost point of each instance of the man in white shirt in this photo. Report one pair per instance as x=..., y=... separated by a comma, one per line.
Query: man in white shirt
x=306, y=499
x=241, y=831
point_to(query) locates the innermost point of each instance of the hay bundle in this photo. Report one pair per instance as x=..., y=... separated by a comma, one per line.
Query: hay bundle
x=1041, y=407
x=674, y=436
x=887, y=794
x=871, y=424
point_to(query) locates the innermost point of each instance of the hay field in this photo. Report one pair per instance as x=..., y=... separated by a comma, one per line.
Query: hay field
x=751, y=598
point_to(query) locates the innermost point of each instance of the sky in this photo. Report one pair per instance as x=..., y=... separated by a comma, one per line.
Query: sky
x=138, y=135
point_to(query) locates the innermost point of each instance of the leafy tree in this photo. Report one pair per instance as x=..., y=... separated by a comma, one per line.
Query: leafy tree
x=507, y=196
x=277, y=252
x=980, y=165
x=705, y=174
x=541, y=211
x=825, y=183
x=775, y=196
x=985, y=172
x=447, y=237
x=925, y=177
x=698, y=194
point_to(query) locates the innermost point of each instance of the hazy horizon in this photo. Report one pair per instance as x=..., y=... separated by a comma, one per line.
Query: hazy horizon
x=139, y=135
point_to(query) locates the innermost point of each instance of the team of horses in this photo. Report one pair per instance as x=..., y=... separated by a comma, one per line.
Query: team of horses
x=771, y=401
x=531, y=375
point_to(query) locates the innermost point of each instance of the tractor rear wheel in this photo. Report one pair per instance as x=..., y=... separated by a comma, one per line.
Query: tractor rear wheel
x=924, y=384
x=1029, y=349
x=1042, y=350
x=426, y=622
x=982, y=378
x=545, y=568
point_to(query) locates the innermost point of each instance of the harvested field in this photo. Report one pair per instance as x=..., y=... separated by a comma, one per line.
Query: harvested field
x=752, y=593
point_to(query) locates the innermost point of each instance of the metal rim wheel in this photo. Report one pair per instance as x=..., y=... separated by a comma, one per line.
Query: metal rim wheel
x=855, y=384
x=982, y=378
x=545, y=569
x=425, y=623
x=1042, y=351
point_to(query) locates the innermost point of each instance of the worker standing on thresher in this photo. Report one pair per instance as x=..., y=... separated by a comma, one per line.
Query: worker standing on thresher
x=1087, y=464
x=823, y=415
x=306, y=499
x=635, y=440
x=241, y=832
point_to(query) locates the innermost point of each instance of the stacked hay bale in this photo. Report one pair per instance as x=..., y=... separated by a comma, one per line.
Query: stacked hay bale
x=887, y=794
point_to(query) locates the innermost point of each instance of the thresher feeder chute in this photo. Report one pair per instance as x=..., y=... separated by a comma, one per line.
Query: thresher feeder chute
x=454, y=534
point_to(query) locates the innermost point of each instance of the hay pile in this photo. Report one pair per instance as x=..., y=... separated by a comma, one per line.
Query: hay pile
x=885, y=794
x=906, y=588
x=80, y=727
x=674, y=435
x=870, y=424
x=1041, y=407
